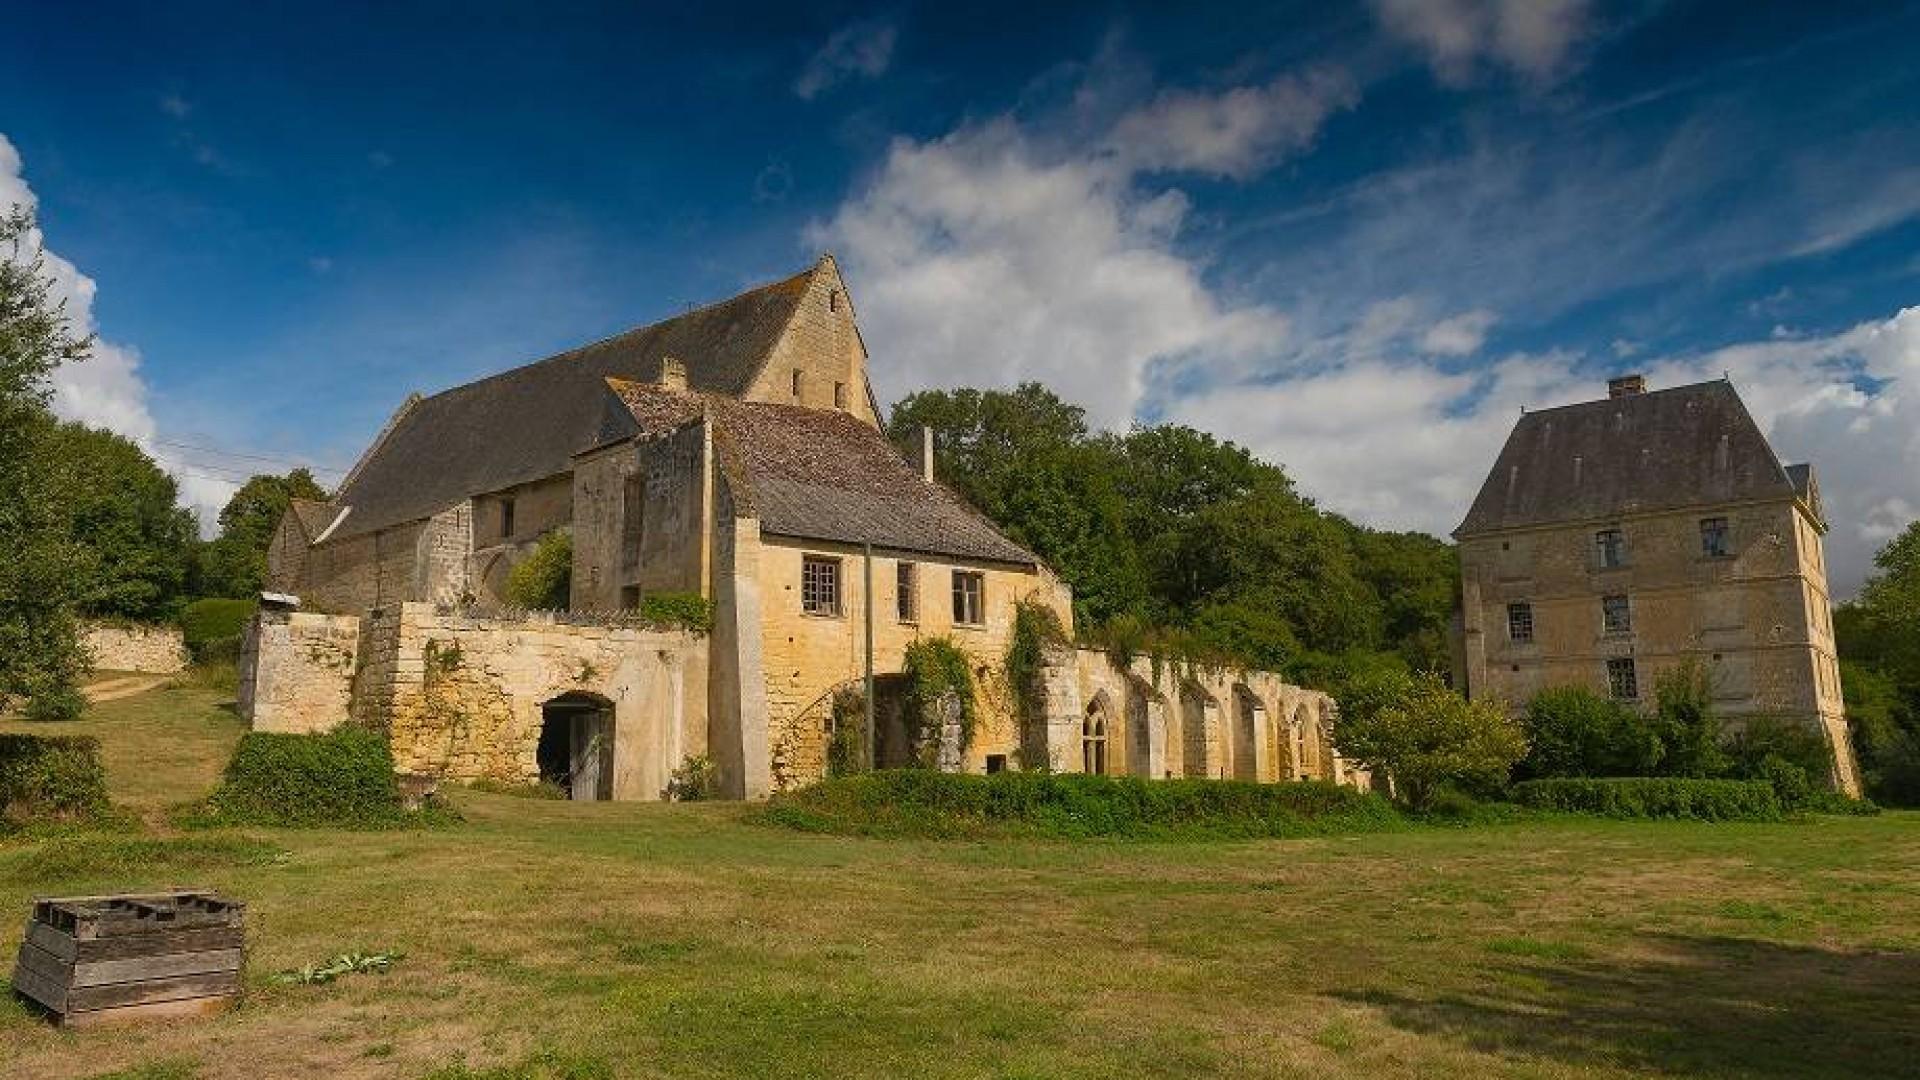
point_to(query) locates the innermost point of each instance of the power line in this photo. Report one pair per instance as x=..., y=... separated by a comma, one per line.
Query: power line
x=248, y=457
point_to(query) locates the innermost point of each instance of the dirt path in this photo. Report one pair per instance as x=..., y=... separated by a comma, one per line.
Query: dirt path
x=126, y=686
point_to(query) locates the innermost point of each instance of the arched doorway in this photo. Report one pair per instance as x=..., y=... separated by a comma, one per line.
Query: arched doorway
x=576, y=745
x=1093, y=737
x=1249, y=718
x=1146, y=753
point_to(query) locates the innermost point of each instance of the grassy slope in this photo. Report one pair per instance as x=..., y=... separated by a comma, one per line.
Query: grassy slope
x=676, y=941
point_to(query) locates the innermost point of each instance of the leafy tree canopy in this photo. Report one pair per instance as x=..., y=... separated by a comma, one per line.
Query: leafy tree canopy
x=1423, y=734
x=123, y=512
x=234, y=564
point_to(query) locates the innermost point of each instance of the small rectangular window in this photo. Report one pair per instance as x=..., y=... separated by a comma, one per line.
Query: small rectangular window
x=996, y=763
x=969, y=598
x=1714, y=543
x=1622, y=681
x=629, y=598
x=820, y=585
x=1520, y=623
x=839, y=395
x=1616, y=615
x=906, y=599
x=796, y=382
x=1610, y=548
x=506, y=518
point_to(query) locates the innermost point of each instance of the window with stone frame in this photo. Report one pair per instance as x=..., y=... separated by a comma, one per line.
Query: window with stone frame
x=506, y=519
x=1520, y=623
x=1715, y=542
x=1093, y=742
x=820, y=585
x=969, y=598
x=1609, y=548
x=840, y=395
x=906, y=592
x=1623, y=682
x=796, y=382
x=1616, y=614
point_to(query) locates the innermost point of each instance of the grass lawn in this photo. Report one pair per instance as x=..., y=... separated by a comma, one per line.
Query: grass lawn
x=554, y=939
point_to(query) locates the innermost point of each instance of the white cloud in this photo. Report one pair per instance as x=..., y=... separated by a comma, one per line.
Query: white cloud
x=1532, y=37
x=983, y=258
x=175, y=106
x=1461, y=335
x=861, y=49
x=1232, y=134
x=1402, y=443
x=105, y=390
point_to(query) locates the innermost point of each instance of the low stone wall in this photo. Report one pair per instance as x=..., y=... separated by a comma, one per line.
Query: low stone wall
x=152, y=649
x=297, y=670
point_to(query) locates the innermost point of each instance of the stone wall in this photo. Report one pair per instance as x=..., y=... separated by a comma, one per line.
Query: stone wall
x=296, y=670
x=151, y=649
x=462, y=694
x=823, y=344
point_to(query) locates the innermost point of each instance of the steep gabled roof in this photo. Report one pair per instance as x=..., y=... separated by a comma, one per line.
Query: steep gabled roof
x=816, y=474
x=525, y=424
x=1664, y=449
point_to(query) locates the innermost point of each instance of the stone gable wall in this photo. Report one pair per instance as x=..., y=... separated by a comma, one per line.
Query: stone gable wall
x=150, y=649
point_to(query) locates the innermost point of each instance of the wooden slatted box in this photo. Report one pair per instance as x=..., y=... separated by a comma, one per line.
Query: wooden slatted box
x=101, y=959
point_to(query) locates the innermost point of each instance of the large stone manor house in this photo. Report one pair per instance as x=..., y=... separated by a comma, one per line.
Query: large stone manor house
x=1616, y=539
x=733, y=452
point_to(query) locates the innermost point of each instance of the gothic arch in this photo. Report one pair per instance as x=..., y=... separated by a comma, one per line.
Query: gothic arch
x=1249, y=731
x=1096, y=728
x=1199, y=731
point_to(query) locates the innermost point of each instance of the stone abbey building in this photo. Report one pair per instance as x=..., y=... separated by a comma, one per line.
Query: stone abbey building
x=733, y=452
x=1616, y=539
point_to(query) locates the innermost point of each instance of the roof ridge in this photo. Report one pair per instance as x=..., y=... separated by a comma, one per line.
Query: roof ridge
x=1701, y=385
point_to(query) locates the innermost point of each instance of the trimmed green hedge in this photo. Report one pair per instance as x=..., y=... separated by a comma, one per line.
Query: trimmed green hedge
x=51, y=778
x=212, y=628
x=1654, y=797
x=924, y=802
x=343, y=777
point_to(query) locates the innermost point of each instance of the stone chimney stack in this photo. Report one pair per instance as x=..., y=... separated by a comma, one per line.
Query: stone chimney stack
x=1626, y=386
x=926, y=453
x=673, y=374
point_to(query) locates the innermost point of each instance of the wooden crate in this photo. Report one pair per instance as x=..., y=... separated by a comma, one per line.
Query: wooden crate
x=102, y=959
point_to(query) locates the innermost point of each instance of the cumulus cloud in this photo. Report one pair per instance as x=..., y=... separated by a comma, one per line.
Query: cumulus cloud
x=1403, y=442
x=1532, y=37
x=105, y=390
x=861, y=49
x=1461, y=335
x=1232, y=134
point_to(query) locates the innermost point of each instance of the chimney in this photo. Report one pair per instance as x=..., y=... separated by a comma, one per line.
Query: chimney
x=673, y=374
x=1626, y=386
x=926, y=453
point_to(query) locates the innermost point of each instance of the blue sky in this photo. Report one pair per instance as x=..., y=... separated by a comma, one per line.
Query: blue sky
x=1358, y=241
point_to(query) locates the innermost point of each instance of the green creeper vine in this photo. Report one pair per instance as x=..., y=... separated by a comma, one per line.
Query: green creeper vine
x=1036, y=627
x=936, y=669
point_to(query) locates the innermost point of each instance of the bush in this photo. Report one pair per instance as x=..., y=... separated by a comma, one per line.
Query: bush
x=544, y=579
x=343, y=777
x=687, y=610
x=56, y=703
x=924, y=802
x=696, y=780
x=1653, y=797
x=57, y=778
x=212, y=629
x=1572, y=731
x=1423, y=734
x=1683, y=717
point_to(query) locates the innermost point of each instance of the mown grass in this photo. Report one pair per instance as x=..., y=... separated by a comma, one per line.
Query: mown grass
x=550, y=939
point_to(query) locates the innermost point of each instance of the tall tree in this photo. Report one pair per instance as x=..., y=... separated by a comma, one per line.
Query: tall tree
x=40, y=657
x=123, y=512
x=234, y=564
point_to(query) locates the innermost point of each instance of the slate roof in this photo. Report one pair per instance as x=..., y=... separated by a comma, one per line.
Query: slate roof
x=815, y=474
x=1660, y=450
x=526, y=424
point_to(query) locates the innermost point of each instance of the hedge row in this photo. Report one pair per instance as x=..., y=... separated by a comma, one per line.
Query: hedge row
x=1654, y=797
x=926, y=802
x=212, y=629
x=51, y=778
x=344, y=777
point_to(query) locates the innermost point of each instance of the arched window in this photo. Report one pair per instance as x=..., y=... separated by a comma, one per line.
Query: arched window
x=1093, y=742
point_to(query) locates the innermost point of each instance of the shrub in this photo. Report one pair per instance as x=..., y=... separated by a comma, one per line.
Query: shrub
x=696, y=780
x=343, y=777
x=56, y=703
x=544, y=579
x=1572, y=731
x=1422, y=733
x=923, y=802
x=1683, y=717
x=51, y=778
x=1653, y=797
x=939, y=676
x=212, y=629
x=687, y=610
